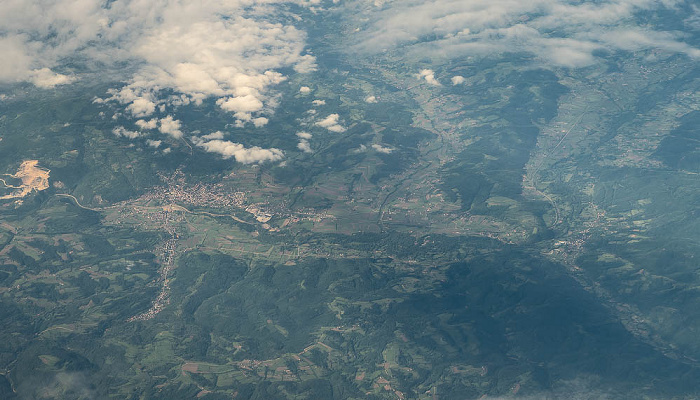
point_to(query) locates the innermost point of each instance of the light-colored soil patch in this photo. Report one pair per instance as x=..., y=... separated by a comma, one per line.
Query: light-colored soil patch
x=33, y=178
x=190, y=367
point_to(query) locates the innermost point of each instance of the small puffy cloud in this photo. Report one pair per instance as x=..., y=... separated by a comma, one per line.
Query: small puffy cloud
x=154, y=143
x=381, y=149
x=46, y=79
x=360, y=149
x=331, y=123
x=319, y=102
x=213, y=135
x=170, y=126
x=371, y=99
x=141, y=107
x=429, y=76
x=304, y=90
x=304, y=146
x=150, y=124
x=123, y=132
x=305, y=64
x=458, y=80
x=241, y=106
x=304, y=135
x=260, y=121
x=243, y=155
x=336, y=128
x=568, y=53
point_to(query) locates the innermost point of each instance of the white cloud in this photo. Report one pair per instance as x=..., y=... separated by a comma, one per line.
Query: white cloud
x=260, y=121
x=304, y=146
x=429, y=76
x=558, y=32
x=123, y=132
x=360, y=149
x=693, y=21
x=213, y=135
x=176, y=52
x=336, y=128
x=458, y=80
x=150, y=124
x=304, y=90
x=154, y=143
x=319, y=102
x=241, y=106
x=636, y=39
x=170, y=126
x=304, y=135
x=305, y=64
x=371, y=99
x=45, y=78
x=15, y=63
x=141, y=107
x=381, y=149
x=36, y=34
x=331, y=123
x=243, y=155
